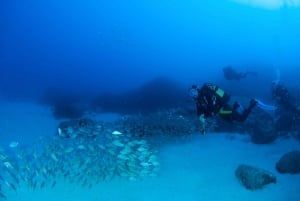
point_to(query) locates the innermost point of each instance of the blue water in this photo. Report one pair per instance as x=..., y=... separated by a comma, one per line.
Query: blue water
x=139, y=56
x=117, y=45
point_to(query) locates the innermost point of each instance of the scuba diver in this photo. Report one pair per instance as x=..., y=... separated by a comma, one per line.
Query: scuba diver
x=288, y=114
x=211, y=100
x=232, y=74
x=283, y=98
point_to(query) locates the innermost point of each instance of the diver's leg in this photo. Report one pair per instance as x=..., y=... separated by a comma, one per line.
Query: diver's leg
x=242, y=116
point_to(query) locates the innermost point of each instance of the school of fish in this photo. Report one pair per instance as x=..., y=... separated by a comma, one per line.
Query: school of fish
x=85, y=161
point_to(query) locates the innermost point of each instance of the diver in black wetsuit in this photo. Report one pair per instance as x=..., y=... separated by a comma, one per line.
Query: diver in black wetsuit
x=211, y=100
x=283, y=98
x=232, y=74
x=288, y=108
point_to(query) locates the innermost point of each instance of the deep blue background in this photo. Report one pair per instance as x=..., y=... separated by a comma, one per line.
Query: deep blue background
x=99, y=46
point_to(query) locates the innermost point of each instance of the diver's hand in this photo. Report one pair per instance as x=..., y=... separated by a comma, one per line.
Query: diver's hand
x=202, y=121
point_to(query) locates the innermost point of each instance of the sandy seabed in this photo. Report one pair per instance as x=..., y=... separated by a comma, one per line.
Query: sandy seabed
x=200, y=169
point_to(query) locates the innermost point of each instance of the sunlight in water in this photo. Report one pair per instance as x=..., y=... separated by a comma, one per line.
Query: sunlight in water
x=270, y=4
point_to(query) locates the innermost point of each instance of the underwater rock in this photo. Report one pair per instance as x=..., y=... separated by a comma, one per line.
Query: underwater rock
x=289, y=163
x=263, y=130
x=284, y=120
x=65, y=103
x=70, y=111
x=263, y=137
x=159, y=93
x=254, y=178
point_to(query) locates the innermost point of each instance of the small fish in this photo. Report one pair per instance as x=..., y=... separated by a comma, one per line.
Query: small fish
x=15, y=178
x=10, y=185
x=81, y=147
x=44, y=170
x=13, y=187
x=101, y=147
x=59, y=131
x=116, y=133
x=3, y=156
x=144, y=164
x=2, y=195
x=44, y=173
x=35, y=156
x=34, y=184
x=42, y=185
x=53, y=156
x=66, y=174
x=53, y=184
x=13, y=144
x=141, y=149
x=118, y=143
x=70, y=149
x=141, y=142
x=155, y=163
x=91, y=148
x=8, y=165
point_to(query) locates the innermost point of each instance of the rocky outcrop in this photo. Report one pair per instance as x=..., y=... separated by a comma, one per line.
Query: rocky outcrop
x=263, y=129
x=289, y=163
x=254, y=178
x=261, y=136
x=159, y=93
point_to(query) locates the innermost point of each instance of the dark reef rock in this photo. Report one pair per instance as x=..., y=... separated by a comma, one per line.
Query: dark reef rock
x=260, y=136
x=64, y=104
x=263, y=129
x=65, y=110
x=289, y=163
x=254, y=178
x=287, y=119
x=160, y=93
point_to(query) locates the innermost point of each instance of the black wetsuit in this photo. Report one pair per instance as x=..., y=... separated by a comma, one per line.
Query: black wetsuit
x=283, y=98
x=212, y=100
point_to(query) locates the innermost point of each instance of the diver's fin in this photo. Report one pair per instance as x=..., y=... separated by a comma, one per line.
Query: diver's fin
x=263, y=106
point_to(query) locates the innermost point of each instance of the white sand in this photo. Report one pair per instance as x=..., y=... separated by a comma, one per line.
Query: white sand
x=199, y=170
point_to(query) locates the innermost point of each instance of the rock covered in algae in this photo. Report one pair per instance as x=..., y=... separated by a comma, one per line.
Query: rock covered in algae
x=289, y=163
x=254, y=178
